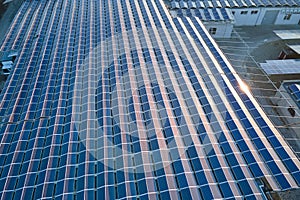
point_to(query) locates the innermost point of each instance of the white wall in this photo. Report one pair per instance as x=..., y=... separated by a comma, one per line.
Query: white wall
x=223, y=29
x=293, y=20
x=246, y=19
x=256, y=19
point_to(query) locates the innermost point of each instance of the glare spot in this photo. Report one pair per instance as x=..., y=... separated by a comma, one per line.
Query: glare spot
x=244, y=87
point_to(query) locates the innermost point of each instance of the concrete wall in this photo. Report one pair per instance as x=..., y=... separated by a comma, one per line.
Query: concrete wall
x=224, y=29
x=251, y=18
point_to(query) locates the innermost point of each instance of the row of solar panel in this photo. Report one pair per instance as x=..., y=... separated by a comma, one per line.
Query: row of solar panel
x=294, y=169
x=289, y=162
x=32, y=70
x=203, y=130
x=248, y=156
x=143, y=186
x=213, y=162
x=244, y=116
x=157, y=23
x=214, y=14
x=33, y=135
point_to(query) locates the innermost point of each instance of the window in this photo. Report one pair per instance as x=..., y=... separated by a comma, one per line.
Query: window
x=212, y=31
x=233, y=12
x=244, y=12
x=287, y=17
x=254, y=12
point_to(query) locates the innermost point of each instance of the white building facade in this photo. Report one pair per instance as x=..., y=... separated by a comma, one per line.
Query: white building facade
x=266, y=16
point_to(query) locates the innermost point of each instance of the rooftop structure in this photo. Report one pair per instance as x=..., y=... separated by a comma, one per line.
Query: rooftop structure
x=281, y=70
x=288, y=34
x=281, y=67
x=295, y=48
x=117, y=99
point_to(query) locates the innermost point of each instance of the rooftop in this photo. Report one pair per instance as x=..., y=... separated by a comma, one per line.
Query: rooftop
x=288, y=34
x=276, y=67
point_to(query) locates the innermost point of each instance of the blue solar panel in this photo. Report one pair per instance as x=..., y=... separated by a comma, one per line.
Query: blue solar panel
x=207, y=14
x=188, y=13
x=216, y=14
x=198, y=14
x=295, y=91
x=225, y=14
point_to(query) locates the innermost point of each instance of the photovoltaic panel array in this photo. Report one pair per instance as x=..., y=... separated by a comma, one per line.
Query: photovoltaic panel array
x=209, y=14
x=117, y=99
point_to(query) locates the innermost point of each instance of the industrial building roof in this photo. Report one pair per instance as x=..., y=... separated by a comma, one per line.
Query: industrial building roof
x=288, y=34
x=276, y=67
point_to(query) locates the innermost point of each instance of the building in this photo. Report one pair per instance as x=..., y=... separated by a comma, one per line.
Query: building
x=245, y=13
x=117, y=99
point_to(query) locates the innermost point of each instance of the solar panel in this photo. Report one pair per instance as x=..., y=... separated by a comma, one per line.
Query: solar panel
x=117, y=99
x=295, y=91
